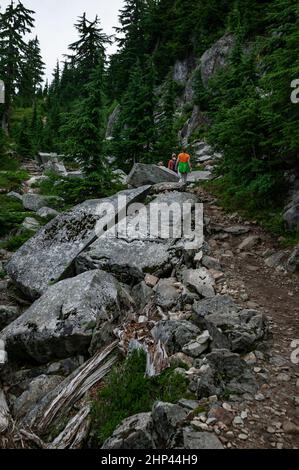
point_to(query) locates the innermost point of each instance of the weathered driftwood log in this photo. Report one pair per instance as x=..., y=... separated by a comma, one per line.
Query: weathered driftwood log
x=76, y=386
x=4, y=413
x=30, y=437
x=74, y=434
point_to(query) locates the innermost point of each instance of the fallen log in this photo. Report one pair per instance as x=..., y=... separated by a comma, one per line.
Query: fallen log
x=4, y=413
x=74, y=434
x=30, y=437
x=75, y=387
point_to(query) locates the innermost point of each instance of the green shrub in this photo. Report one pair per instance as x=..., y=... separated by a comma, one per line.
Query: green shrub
x=128, y=391
x=14, y=242
x=76, y=190
x=2, y=274
x=11, y=180
x=269, y=214
x=12, y=214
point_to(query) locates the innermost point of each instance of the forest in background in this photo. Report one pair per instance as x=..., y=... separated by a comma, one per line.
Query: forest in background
x=248, y=112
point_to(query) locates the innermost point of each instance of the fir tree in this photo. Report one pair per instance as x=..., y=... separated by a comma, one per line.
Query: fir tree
x=84, y=127
x=135, y=136
x=24, y=140
x=167, y=140
x=88, y=48
x=15, y=22
x=131, y=41
x=32, y=71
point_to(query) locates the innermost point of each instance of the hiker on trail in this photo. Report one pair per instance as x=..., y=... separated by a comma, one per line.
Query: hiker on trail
x=172, y=163
x=184, y=166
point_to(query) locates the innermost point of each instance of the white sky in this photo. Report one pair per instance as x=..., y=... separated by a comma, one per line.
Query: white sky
x=55, y=19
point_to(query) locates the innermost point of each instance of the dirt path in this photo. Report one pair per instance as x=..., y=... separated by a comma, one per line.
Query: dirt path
x=272, y=416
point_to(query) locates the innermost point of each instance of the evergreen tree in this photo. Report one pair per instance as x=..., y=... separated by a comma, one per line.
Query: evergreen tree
x=135, y=136
x=24, y=140
x=2, y=145
x=88, y=48
x=36, y=130
x=32, y=72
x=15, y=22
x=50, y=135
x=167, y=139
x=131, y=41
x=84, y=127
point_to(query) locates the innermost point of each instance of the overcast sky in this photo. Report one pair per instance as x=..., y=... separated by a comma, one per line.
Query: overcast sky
x=55, y=19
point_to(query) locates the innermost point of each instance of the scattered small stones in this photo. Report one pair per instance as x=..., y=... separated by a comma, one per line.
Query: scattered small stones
x=290, y=428
x=260, y=397
x=249, y=243
x=151, y=281
x=238, y=421
x=243, y=437
x=283, y=378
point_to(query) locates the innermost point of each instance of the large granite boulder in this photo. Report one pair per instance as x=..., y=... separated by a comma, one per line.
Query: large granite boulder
x=198, y=176
x=34, y=202
x=135, y=432
x=189, y=438
x=243, y=328
x=129, y=252
x=220, y=371
x=39, y=387
x=199, y=280
x=47, y=213
x=175, y=334
x=48, y=257
x=8, y=313
x=167, y=418
x=142, y=174
x=127, y=261
x=65, y=320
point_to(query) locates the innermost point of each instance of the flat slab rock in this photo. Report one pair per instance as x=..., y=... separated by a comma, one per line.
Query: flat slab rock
x=143, y=174
x=130, y=254
x=63, y=322
x=47, y=257
x=197, y=176
x=199, y=440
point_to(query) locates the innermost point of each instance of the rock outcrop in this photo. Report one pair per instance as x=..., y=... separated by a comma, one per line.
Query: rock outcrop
x=291, y=213
x=216, y=57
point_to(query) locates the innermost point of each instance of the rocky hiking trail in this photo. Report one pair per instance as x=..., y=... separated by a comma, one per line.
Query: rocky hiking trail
x=272, y=416
x=205, y=310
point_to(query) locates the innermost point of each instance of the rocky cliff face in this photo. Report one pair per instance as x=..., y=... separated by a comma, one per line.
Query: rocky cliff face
x=184, y=73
